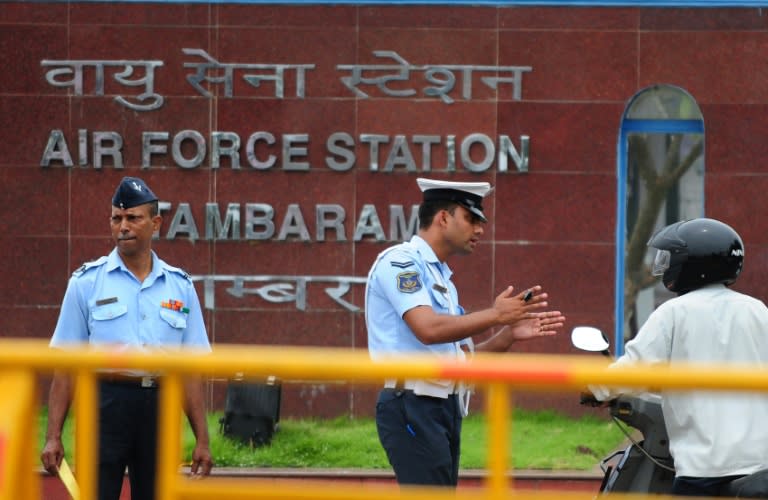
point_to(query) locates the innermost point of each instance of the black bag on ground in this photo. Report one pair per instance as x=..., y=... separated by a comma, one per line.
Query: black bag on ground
x=251, y=412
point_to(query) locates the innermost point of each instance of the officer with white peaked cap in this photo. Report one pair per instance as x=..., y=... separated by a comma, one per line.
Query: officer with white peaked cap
x=412, y=308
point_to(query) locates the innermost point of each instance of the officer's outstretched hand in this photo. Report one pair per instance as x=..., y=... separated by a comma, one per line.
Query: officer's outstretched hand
x=544, y=324
x=512, y=307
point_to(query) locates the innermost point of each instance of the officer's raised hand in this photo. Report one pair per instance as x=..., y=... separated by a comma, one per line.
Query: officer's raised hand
x=512, y=307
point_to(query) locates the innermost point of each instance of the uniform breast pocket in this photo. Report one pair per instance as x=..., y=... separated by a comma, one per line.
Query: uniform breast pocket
x=107, y=322
x=171, y=327
x=174, y=319
x=440, y=300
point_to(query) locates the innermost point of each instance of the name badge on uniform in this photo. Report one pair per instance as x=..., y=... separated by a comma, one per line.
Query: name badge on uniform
x=103, y=302
x=440, y=288
x=409, y=282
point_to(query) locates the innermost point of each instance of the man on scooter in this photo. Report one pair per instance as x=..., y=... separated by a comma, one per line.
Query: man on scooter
x=715, y=437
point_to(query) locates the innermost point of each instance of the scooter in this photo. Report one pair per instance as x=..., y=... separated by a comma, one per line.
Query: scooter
x=646, y=465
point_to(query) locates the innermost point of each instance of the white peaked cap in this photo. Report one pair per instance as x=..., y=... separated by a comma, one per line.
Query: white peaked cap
x=467, y=194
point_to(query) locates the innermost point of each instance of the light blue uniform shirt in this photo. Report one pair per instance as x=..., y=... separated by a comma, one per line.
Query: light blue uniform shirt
x=403, y=277
x=105, y=305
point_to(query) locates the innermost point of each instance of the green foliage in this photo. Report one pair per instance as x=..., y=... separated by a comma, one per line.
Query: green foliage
x=539, y=440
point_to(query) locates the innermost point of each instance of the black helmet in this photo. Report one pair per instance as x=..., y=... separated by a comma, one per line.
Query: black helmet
x=697, y=252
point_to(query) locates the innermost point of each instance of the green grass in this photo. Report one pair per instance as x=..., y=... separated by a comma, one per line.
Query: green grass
x=539, y=440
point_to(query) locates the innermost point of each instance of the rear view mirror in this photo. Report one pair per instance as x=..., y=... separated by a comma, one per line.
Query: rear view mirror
x=589, y=338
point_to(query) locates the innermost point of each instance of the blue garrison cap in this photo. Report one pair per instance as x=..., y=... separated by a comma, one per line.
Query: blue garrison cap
x=132, y=192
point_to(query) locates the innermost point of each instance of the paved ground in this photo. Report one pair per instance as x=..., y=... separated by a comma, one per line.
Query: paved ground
x=588, y=481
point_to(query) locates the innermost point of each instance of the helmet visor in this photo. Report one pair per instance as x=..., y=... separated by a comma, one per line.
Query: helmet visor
x=661, y=262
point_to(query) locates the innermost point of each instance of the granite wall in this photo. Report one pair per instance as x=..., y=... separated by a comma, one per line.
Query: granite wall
x=554, y=225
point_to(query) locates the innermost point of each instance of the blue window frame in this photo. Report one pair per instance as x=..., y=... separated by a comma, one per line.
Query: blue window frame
x=667, y=129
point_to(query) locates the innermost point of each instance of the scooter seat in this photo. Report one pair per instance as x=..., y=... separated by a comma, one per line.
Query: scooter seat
x=753, y=485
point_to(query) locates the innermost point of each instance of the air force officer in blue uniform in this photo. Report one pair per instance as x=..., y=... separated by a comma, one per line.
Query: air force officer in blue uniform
x=129, y=300
x=412, y=307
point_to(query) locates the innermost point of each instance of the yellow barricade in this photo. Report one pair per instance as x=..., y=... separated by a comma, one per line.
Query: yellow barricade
x=498, y=374
x=18, y=435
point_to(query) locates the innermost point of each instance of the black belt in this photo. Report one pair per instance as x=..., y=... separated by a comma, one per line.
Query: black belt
x=400, y=388
x=145, y=382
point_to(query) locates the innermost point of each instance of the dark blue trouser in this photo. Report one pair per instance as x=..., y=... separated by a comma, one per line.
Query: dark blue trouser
x=701, y=486
x=127, y=438
x=421, y=436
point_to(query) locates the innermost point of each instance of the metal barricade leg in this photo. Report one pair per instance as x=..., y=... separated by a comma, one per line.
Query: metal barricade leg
x=18, y=460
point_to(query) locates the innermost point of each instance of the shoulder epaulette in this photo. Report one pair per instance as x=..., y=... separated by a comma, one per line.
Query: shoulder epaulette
x=178, y=270
x=400, y=256
x=89, y=265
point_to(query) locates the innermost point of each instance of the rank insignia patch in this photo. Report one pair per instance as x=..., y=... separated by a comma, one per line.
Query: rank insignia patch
x=402, y=265
x=409, y=282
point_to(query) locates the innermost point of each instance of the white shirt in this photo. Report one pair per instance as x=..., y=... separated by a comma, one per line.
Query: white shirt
x=712, y=434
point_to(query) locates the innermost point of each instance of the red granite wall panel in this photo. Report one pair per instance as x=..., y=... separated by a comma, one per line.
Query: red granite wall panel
x=359, y=335
x=566, y=207
x=28, y=321
x=428, y=17
x=715, y=67
x=716, y=19
x=34, y=270
x=564, y=136
x=475, y=278
x=742, y=203
x=139, y=14
x=398, y=188
x=30, y=13
x=24, y=141
x=752, y=279
x=735, y=136
x=573, y=65
x=554, y=225
x=577, y=275
x=22, y=47
x=287, y=16
x=558, y=18
x=45, y=218
x=280, y=189
x=293, y=258
x=81, y=250
x=283, y=327
x=193, y=257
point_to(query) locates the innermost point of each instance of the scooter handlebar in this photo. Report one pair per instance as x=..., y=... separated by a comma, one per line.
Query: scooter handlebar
x=589, y=399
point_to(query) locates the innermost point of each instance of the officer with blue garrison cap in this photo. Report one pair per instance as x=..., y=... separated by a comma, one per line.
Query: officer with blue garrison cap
x=129, y=300
x=412, y=308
